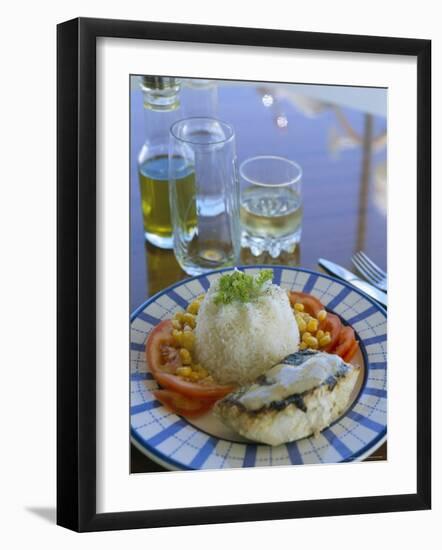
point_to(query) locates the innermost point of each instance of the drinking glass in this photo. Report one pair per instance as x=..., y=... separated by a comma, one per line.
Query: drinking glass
x=271, y=204
x=204, y=194
x=199, y=97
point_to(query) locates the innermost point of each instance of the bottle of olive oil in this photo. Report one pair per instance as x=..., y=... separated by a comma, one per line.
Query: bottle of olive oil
x=161, y=110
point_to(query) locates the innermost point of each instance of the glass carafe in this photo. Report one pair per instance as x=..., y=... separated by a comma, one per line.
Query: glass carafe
x=161, y=110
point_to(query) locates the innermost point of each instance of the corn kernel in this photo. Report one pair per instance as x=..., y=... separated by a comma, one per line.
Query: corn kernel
x=187, y=328
x=327, y=333
x=312, y=342
x=179, y=316
x=200, y=370
x=299, y=307
x=302, y=325
x=312, y=325
x=324, y=341
x=306, y=316
x=188, y=340
x=322, y=315
x=305, y=336
x=189, y=319
x=186, y=359
x=302, y=346
x=194, y=307
x=177, y=335
x=194, y=376
x=176, y=324
x=320, y=334
x=184, y=371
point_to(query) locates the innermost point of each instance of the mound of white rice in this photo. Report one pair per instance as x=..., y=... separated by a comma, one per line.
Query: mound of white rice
x=237, y=342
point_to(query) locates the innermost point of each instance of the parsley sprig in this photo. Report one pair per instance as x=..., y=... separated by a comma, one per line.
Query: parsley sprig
x=239, y=287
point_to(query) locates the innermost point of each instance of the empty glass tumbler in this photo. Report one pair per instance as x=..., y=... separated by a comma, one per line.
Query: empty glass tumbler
x=204, y=194
x=271, y=204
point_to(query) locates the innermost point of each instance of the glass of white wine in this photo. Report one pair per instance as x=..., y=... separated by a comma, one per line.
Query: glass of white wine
x=271, y=204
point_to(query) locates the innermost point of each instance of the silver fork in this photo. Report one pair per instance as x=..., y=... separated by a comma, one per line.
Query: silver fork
x=368, y=269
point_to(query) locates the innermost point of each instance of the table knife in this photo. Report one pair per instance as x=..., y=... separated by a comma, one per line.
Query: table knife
x=352, y=279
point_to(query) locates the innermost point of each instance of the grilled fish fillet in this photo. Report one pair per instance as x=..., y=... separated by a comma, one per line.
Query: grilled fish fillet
x=294, y=399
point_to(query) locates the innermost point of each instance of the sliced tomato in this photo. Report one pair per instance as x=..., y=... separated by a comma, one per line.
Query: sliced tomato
x=345, y=341
x=347, y=344
x=191, y=389
x=182, y=405
x=333, y=325
x=351, y=352
x=312, y=305
x=161, y=355
x=163, y=359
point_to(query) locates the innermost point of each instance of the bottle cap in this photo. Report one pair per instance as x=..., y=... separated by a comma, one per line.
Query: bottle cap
x=160, y=93
x=151, y=83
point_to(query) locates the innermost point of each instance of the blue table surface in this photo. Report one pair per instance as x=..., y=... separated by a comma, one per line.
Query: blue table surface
x=342, y=152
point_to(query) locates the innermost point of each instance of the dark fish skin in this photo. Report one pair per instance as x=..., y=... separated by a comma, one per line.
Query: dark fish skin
x=297, y=399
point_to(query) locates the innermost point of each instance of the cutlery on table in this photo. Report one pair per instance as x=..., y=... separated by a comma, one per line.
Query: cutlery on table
x=370, y=271
x=342, y=273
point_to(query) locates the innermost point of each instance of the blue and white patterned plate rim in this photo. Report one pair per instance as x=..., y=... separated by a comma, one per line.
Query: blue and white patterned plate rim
x=333, y=440
x=155, y=297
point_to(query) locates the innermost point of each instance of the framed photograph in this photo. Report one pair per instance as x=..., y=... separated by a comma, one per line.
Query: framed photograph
x=230, y=346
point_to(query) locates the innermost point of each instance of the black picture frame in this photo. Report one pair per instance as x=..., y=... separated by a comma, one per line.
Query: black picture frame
x=76, y=273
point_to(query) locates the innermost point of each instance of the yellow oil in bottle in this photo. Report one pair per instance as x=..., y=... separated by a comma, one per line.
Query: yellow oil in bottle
x=154, y=188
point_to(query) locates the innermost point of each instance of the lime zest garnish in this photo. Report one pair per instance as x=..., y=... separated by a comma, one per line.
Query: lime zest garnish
x=239, y=287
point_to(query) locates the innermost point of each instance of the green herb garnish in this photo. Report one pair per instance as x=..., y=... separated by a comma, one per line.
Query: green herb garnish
x=239, y=287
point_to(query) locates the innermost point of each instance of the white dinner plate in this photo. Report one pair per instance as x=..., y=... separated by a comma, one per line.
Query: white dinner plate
x=178, y=443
